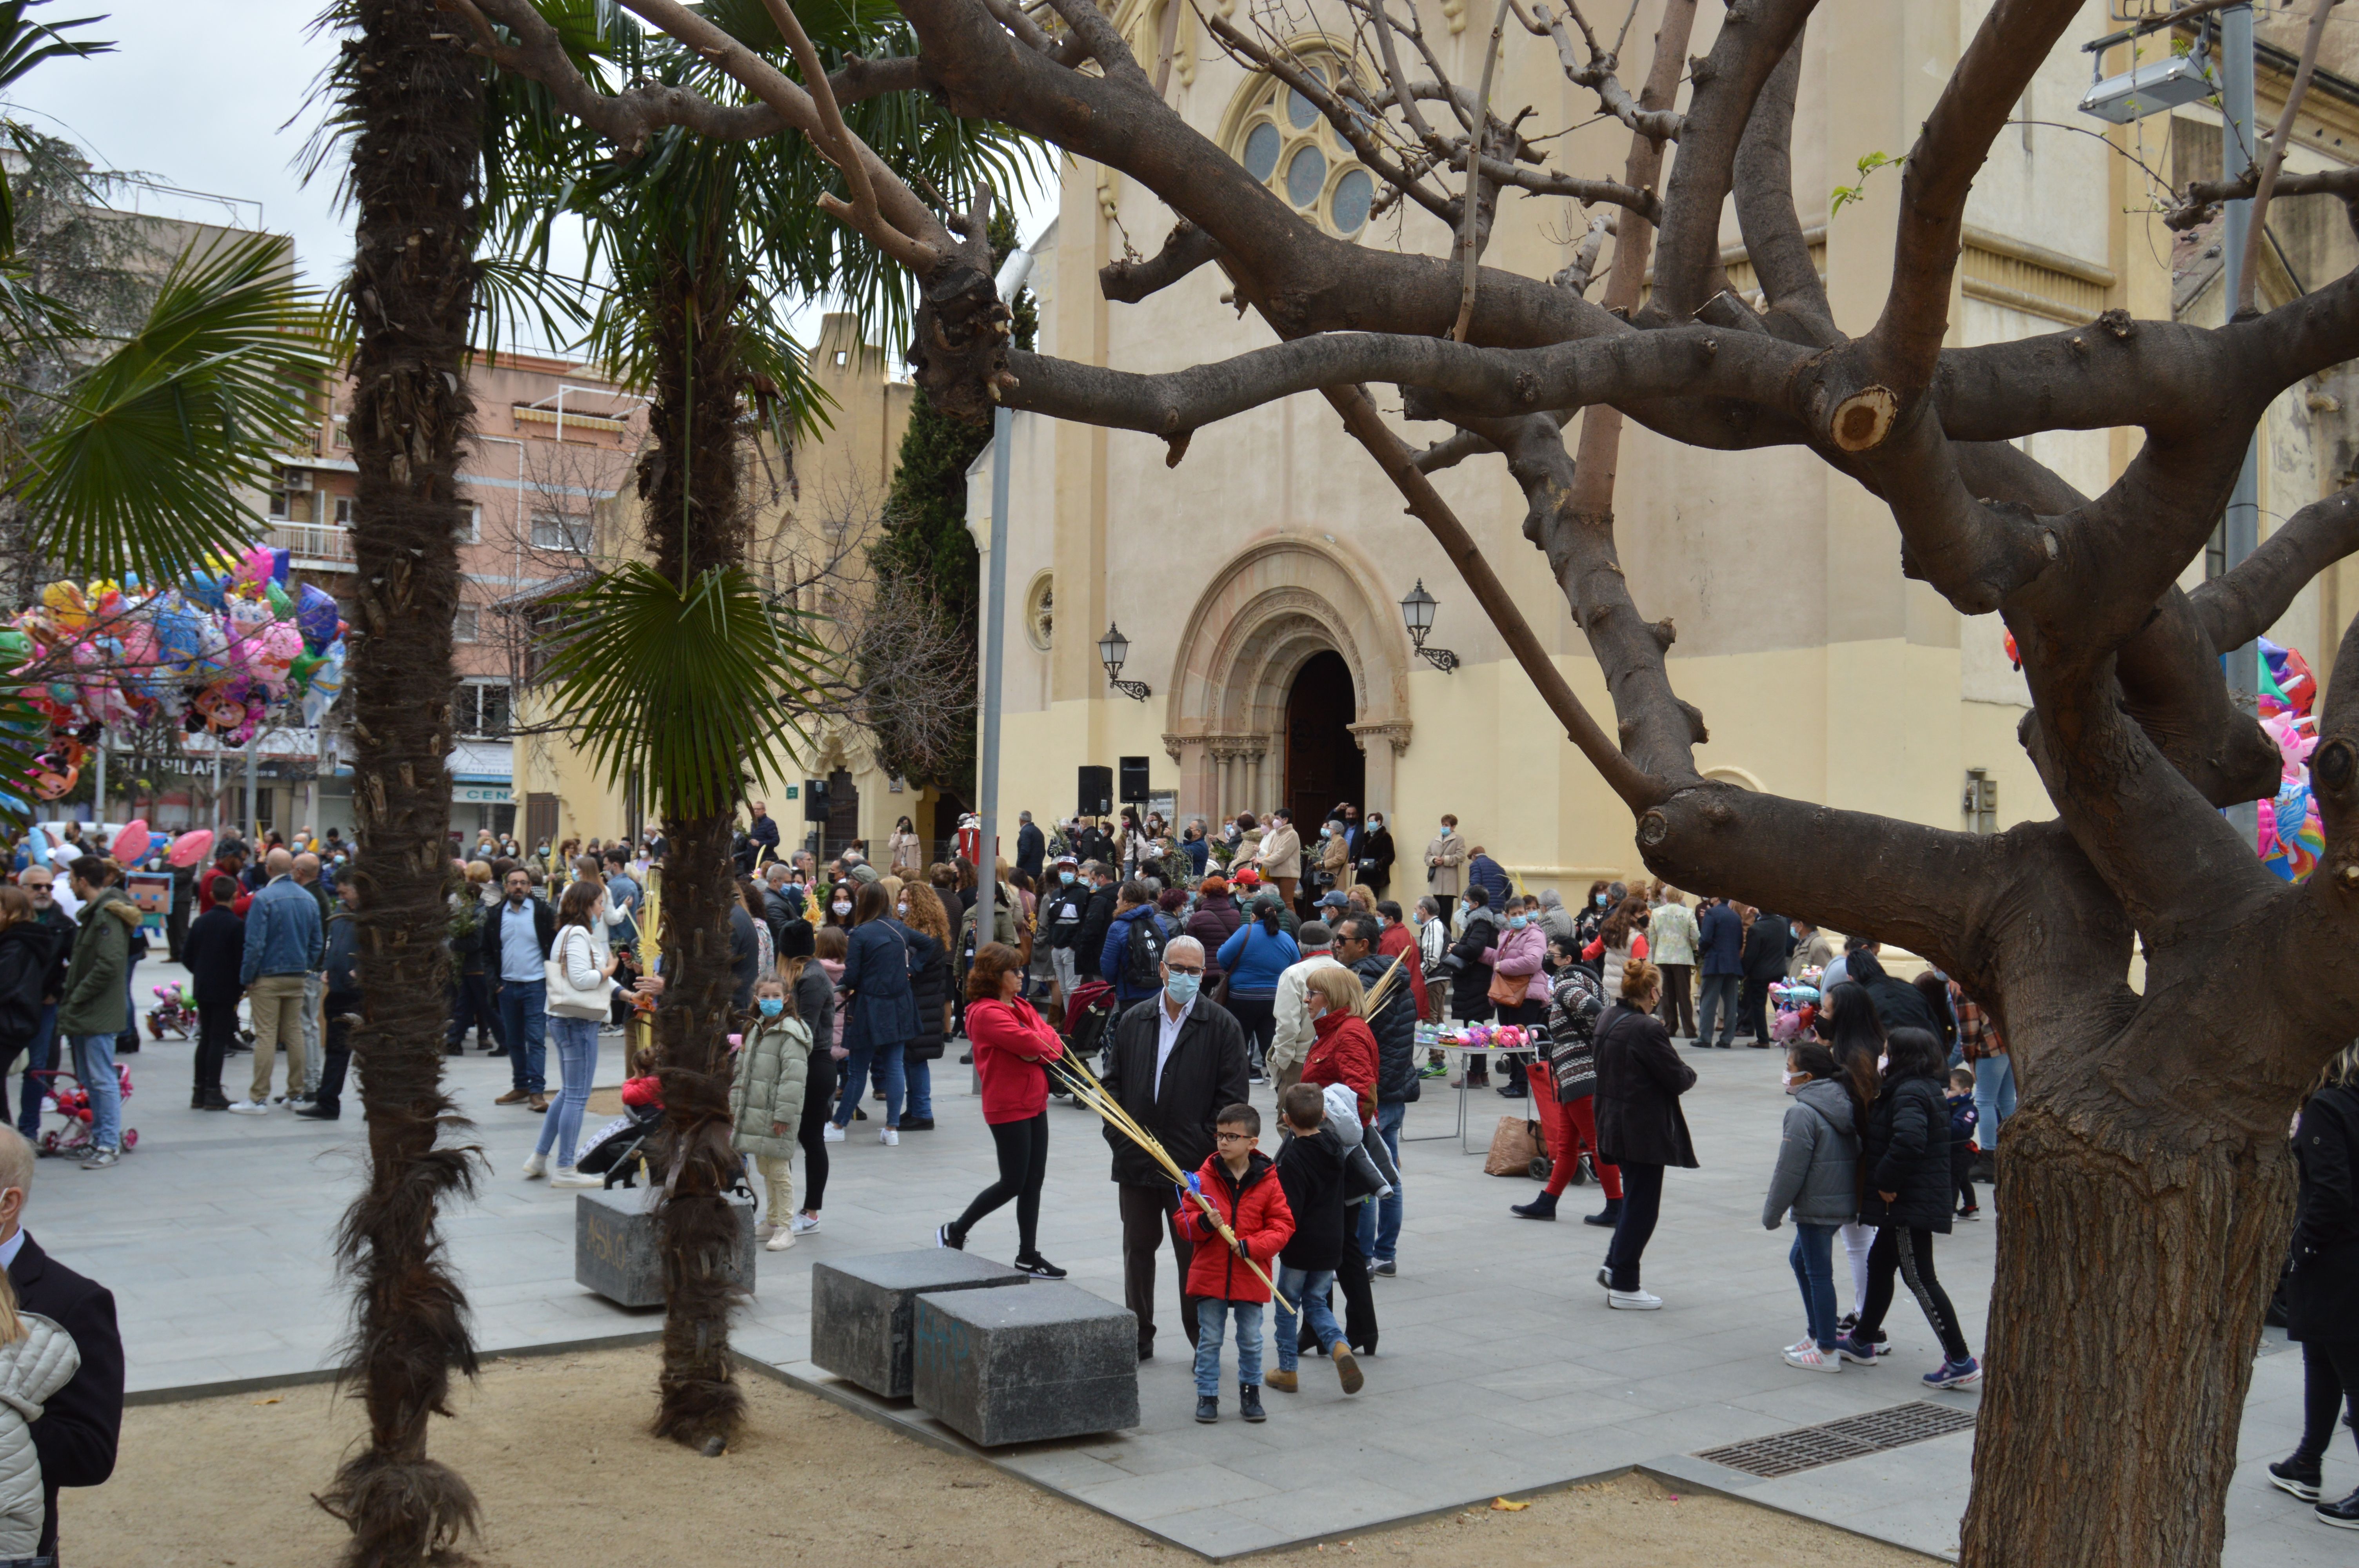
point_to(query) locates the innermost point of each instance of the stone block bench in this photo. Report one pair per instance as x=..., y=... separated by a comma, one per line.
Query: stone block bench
x=864, y=1310
x=1051, y=1360
x=618, y=1245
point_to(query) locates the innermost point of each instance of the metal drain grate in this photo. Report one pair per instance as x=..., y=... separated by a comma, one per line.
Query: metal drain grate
x=1808, y=1447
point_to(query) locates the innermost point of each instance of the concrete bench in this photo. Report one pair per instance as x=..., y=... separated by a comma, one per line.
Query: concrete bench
x=618, y=1245
x=864, y=1310
x=1052, y=1360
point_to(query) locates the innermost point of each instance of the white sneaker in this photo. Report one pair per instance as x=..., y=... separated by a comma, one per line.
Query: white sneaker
x=1633, y=1300
x=890, y=1138
x=803, y=1224
x=248, y=1107
x=764, y=1231
x=830, y=1133
x=781, y=1242
x=534, y=1164
x=1811, y=1358
x=567, y=1176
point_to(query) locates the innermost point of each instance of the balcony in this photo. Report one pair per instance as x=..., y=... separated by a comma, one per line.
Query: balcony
x=316, y=547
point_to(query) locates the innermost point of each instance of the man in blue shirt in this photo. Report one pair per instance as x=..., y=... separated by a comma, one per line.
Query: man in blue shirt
x=285, y=945
x=516, y=934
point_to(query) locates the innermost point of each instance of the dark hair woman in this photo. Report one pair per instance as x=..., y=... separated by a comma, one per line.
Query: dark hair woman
x=1817, y=1181
x=2322, y=1290
x=573, y=1019
x=1622, y=938
x=1012, y=1048
x=841, y=899
x=1639, y=1126
x=881, y=1010
x=1854, y=1036
x=1906, y=1153
x=929, y=981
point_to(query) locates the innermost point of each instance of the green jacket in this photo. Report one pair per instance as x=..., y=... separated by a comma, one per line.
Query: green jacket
x=772, y=1070
x=96, y=1001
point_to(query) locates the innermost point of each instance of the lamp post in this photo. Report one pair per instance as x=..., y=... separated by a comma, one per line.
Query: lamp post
x=1417, y=609
x=1113, y=648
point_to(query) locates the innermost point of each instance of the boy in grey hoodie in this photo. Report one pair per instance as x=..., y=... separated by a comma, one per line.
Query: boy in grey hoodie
x=1816, y=1180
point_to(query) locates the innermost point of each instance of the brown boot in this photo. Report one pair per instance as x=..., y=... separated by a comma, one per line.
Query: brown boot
x=514, y=1097
x=1284, y=1382
x=1347, y=1368
x=540, y=1102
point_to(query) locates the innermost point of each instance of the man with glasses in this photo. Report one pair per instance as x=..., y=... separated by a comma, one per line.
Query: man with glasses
x=39, y=883
x=1176, y=1060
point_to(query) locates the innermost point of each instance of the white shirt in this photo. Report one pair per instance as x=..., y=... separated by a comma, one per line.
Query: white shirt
x=10, y=1248
x=1166, y=1035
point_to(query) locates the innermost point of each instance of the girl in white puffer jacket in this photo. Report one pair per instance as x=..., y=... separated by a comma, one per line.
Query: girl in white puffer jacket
x=37, y=1359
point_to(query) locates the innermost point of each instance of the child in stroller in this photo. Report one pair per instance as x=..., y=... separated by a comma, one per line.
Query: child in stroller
x=615, y=1150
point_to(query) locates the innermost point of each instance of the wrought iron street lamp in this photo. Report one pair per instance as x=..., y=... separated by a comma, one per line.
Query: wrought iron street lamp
x=1417, y=611
x=1113, y=648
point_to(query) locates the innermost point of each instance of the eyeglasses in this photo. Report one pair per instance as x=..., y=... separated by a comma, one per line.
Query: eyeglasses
x=1184, y=969
x=1236, y=1137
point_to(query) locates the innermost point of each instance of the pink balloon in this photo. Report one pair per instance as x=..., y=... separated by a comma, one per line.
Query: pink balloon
x=190, y=847
x=131, y=844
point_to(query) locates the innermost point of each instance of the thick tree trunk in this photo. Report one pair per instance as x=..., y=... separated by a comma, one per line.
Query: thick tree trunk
x=2137, y=1246
x=418, y=97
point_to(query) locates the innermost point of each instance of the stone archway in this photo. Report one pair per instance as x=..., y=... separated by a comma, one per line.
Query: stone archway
x=1271, y=609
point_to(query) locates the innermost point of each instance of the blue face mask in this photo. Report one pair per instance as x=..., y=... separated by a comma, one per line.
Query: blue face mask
x=1182, y=989
x=1601, y=901
x=1066, y=878
x=771, y=1006
x=1517, y=922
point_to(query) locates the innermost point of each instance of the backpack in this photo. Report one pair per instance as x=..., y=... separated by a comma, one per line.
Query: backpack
x=1142, y=955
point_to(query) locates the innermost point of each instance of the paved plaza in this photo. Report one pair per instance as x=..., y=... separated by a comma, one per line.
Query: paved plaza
x=1500, y=1368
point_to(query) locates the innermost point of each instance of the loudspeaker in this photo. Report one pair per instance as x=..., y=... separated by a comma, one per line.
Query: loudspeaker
x=814, y=800
x=1097, y=792
x=1134, y=778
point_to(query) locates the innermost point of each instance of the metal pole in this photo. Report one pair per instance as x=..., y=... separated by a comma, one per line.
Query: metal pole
x=2242, y=524
x=1011, y=278
x=98, y=785
x=253, y=821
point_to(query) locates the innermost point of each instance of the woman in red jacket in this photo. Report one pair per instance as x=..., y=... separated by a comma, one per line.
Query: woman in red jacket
x=1344, y=1051
x=1011, y=1045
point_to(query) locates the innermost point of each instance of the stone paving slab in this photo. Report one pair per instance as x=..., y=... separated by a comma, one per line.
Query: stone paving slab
x=1500, y=1369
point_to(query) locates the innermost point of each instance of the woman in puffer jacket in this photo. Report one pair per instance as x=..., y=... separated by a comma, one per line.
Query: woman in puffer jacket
x=766, y=1104
x=1816, y=1180
x=37, y=1359
x=1521, y=955
x=1906, y=1152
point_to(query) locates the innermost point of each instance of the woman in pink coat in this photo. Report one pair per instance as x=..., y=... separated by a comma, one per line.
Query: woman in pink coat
x=1521, y=955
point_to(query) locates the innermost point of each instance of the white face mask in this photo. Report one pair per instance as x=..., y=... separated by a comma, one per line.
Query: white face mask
x=841, y=908
x=1794, y=1081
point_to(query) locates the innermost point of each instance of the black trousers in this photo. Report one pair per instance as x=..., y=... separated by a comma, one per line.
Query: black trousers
x=1915, y=1265
x=1023, y=1149
x=216, y=1028
x=1359, y=1296
x=335, y=1050
x=1145, y=1221
x=470, y=1007
x=1962, y=1171
x=1529, y=1015
x=1258, y=1016
x=1642, y=1204
x=819, y=1102
x=2330, y=1379
x=1752, y=1012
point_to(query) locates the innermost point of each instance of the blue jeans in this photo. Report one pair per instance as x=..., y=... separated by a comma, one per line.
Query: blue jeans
x=40, y=1056
x=577, y=1063
x=93, y=1060
x=524, y=1021
x=1388, y=1209
x=1994, y=1097
x=1814, y=1269
x=1307, y=1287
x=919, y=1078
x=1211, y=1321
x=888, y=1064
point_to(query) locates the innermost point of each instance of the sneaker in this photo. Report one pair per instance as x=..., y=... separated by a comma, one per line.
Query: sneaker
x=1633, y=1300
x=514, y=1097
x=99, y=1159
x=942, y=1238
x=1855, y=1351
x=1207, y=1406
x=1284, y=1382
x=764, y=1231
x=1257, y=1078
x=1605, y=1276
x=2302, y=1480
x=1040, y=1268
x=1348, y=1369
x=1249, y=1402
x=534, y=1164
x=2344, y=1515
x=1811, y=1358
x=1954, y=1374
x=780, y=1240
x=803, y=1224
x=248, y=1107
x=1385, y=1268
x=567, y=1176
x=830, y=1133
x=1973, y=1213
x=890, y=1138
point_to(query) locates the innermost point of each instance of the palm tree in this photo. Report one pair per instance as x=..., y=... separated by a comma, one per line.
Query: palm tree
x=410, y=105
x=677, y=669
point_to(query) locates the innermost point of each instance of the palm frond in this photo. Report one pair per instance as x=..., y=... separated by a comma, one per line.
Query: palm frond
x=140, y=466
x=688, y=688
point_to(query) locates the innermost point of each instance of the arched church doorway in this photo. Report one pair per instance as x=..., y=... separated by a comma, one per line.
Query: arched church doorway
x=1323, y=762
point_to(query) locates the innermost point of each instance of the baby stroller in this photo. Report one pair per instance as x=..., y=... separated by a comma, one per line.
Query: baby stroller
x=1087, y=1012
x=73, y=1140
x=617, y=1149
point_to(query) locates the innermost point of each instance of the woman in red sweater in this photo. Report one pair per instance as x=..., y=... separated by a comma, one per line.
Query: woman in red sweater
x=1344, y=1051
x=1011, y=1045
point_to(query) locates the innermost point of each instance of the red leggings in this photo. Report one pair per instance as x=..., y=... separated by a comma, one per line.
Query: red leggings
x=1571, y=1130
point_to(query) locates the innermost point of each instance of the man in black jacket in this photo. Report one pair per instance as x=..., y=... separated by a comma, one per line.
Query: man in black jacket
x=1176, y=1060
x=344, y=1000
x=214, y=949
x=39, y=883
x=76, y=1434
x=1089, y=946
x=1394, y=1024
x=1030, y=846
x=1768, y=943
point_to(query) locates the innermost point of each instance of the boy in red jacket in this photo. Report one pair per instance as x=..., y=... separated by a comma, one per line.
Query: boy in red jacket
x=1244, y=1188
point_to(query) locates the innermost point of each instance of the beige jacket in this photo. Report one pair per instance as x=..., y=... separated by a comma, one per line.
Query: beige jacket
x=1291, y=1042
x=1446, y=855
x=1280, y=854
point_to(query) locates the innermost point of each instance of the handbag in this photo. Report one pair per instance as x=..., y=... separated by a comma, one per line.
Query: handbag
x=567, y=999
x=1506, y=990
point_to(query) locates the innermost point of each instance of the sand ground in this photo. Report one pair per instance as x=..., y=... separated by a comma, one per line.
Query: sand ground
x=556, y=1450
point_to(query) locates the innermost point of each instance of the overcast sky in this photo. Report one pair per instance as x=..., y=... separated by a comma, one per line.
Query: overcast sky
x=195, y=96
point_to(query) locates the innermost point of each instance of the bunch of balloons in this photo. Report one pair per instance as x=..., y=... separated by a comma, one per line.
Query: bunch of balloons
x=216, y=653
x=2292, y=835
